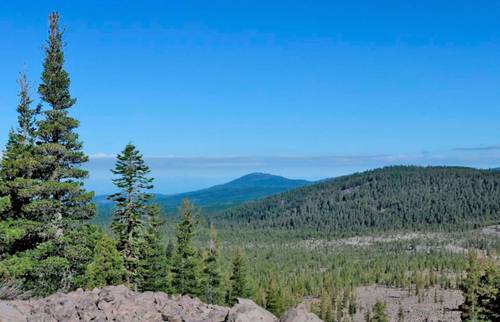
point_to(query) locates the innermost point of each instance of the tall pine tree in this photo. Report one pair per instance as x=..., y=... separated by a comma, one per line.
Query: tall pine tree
x=239, y=282
x=131, y=209
x=211, y=271
x=186, y=266
x=153, y=260
x=42, y=195
x=18, y=165
x=60, y=196
x=471, y=308
x=274, y=299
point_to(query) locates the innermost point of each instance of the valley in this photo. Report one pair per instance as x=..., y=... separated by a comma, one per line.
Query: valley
x=405, y=229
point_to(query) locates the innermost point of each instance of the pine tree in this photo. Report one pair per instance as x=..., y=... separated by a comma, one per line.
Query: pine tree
x=401, y=314
x=131, y=208
x=18, y=165
x=26, y=118
x=379, y=313
x=41, y=190
x=153, y=260
x=470, y=308
x=481, y=290
x=239, y=282
x=186, y=265
x=367, y=316
x=106, y=267
x=170, y=250
x=490, y=295
x=60, y=197
x=325, y=307
x=353, y=305
x=211, y=271
x=274, y=300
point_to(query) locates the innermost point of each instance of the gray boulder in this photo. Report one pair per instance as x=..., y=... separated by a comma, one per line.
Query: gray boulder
x=10, y=313
x=300, y=313
x=247, y=311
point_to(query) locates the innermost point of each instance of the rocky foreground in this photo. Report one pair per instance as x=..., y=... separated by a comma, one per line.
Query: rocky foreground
x=118, y=303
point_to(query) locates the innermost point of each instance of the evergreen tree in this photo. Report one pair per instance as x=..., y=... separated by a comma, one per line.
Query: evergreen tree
x=470, y=308
x=490, y=295
x=41, y=189
x=353, y=305
x=131, y=209
x=153, y=260
x=60, y=196
x=211, y=270
x=367, y=316
x=239, y=282
x=26, y=118
x=379, y=313
x=18, y=165
x=481, y=289
x=186, y=265
x=401, y=314
x=170, y=250
x=325, y=307
x=274, y=300
x=106, y=267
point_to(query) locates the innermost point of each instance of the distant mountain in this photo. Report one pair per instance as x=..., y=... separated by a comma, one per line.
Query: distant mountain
x=250, y=187
x=392, y=198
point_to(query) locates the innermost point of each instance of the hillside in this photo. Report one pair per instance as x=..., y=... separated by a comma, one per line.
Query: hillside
x=250, y=187
x=391, y=198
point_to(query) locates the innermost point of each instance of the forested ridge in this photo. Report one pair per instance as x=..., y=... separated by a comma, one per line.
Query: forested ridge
x=392, y=198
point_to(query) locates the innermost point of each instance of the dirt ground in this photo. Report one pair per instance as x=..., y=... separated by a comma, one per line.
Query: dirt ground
x=436, y=304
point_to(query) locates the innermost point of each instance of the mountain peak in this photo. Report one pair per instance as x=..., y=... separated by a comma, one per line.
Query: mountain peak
x=252, y=186
x=259, y=176
x=265, y=180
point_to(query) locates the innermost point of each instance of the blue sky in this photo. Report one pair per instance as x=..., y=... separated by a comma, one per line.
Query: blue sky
x=210, y=90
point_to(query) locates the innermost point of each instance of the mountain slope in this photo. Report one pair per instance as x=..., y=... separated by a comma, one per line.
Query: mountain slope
x=249, y=187
x=391, y=198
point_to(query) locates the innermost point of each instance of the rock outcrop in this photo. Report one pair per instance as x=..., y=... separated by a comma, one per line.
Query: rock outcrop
x=118, y=303
x=112, y=303
x=247, y=311
x=300, y=313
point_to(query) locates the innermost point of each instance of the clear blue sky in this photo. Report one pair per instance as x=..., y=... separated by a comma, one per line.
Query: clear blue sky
x=215, y=89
